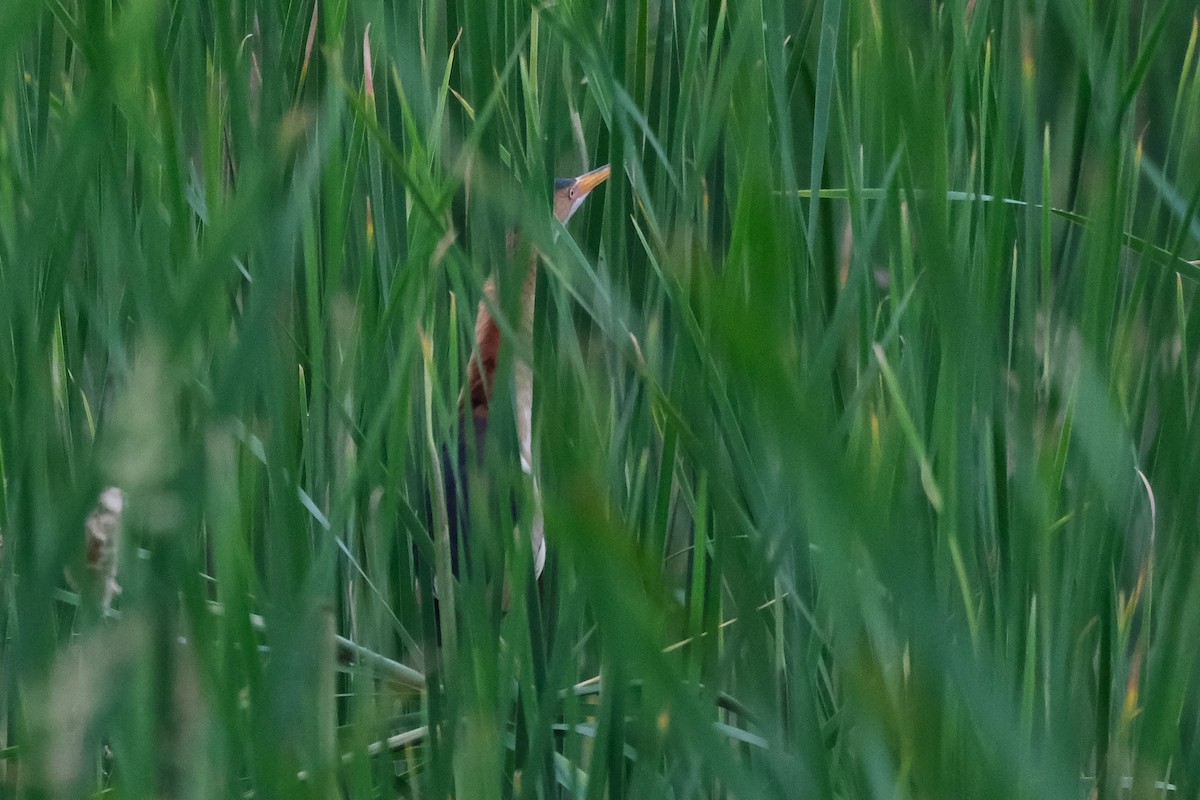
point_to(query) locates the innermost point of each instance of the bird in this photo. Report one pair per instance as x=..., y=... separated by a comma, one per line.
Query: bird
x=475, y=401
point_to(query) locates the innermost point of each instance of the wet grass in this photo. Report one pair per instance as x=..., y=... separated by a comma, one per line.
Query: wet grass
x=863, y=418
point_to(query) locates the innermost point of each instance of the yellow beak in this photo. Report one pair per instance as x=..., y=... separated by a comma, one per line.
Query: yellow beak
x=590, y=180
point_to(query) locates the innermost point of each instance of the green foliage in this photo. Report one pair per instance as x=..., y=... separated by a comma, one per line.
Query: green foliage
x=863, y=421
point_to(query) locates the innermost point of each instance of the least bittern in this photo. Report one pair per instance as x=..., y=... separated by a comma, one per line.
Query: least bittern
x=569, y=193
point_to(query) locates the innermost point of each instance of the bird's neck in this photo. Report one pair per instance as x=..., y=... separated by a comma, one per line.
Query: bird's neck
x=481, y=372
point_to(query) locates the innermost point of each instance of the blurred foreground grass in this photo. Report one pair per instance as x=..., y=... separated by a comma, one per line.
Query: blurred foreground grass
x=865, y=394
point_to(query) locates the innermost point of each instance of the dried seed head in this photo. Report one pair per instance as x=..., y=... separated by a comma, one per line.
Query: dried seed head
x=102, y=532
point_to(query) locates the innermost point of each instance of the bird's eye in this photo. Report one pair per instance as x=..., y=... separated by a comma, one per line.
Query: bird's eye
x=571, y=193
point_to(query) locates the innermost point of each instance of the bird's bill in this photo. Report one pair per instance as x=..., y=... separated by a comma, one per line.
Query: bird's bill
x=569, y=194
x=590, y=180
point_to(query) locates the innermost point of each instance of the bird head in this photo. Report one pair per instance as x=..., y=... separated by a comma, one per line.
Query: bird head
x=569, y=193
